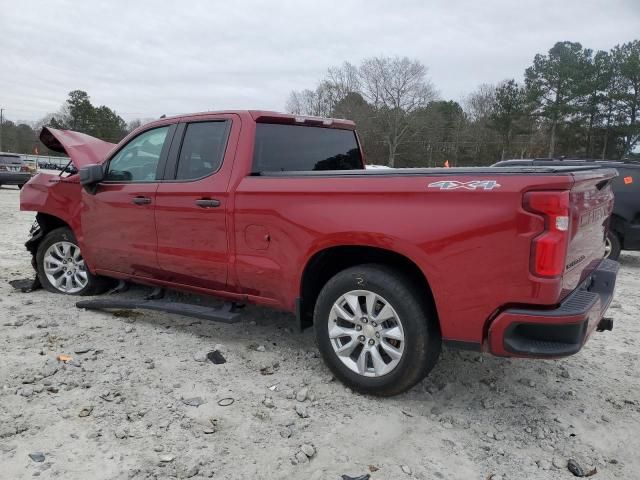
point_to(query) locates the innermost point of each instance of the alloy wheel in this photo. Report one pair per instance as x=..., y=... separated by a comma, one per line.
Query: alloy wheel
x=607, y=247
x=366, y=333
x=65, y=268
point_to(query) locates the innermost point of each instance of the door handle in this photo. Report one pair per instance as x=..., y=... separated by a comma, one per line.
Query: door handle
x=207, y=202
x=141, y=200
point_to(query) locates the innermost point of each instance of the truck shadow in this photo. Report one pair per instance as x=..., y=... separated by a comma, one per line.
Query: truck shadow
x=539, y=403
x=461, y=380
x=629, y=260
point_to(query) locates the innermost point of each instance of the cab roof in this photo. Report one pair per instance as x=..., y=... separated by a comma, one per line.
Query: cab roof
x=268, y=116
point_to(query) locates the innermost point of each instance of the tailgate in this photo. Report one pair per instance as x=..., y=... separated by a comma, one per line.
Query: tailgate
x=591, y=203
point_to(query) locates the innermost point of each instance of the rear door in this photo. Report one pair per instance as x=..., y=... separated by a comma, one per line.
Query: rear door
x=118, y=224
x=192, y=203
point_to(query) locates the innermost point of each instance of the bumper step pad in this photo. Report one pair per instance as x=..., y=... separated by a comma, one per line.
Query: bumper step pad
x=561, y=331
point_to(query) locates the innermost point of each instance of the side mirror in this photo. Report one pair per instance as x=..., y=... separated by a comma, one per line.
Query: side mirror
x=90, y=176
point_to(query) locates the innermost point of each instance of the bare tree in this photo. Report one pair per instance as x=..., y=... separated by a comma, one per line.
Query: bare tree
x=479, y=104
x=343, y=80
x=340, y=82
x=317, y=103
x=396, y=87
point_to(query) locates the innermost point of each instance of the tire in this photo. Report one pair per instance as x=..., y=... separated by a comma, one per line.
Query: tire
x=75, y=285
x=613, y=245
x=418, y=327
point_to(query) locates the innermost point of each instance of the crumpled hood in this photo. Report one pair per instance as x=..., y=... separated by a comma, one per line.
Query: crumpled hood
x=82, y=149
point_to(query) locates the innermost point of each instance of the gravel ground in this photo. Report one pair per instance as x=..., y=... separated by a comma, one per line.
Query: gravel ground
x=137, y=400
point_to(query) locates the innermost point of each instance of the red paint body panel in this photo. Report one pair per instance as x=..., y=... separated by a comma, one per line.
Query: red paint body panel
x=193, y=244
x=473, y=246
x=117, y=234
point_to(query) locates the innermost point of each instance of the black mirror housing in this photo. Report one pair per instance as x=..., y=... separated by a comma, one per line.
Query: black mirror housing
x=90, y=176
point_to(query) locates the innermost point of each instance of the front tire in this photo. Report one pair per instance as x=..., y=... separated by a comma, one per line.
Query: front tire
x=61, y=267
x=376, y=331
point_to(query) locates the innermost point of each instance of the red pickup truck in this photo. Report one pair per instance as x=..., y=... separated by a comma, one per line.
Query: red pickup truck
x=386, y=264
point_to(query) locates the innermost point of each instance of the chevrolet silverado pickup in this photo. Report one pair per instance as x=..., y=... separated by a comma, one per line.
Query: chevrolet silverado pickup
x=385, y=264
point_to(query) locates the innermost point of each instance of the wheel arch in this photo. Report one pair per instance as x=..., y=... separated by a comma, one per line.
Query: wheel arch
x=326, y=263
x=618, y=225
x=47, y=223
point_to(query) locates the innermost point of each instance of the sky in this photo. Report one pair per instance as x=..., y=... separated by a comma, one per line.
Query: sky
x=148, y=58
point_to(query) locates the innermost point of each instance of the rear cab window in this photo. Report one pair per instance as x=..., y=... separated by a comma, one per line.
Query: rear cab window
x=202, y=149
x=295, y=148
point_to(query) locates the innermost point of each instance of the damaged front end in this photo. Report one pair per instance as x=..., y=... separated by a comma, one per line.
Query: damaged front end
x=56, y=198
x=36, y=235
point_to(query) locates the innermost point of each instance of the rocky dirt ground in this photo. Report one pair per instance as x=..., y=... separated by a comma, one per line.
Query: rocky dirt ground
x=136, y=400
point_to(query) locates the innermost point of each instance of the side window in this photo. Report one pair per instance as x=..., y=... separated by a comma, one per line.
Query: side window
x=202, y=149
x=289, y=148
x=138, y=160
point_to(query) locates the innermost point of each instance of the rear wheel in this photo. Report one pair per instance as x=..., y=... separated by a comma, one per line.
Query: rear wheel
x=61, y=267
x=375, y=330
x=613, y=246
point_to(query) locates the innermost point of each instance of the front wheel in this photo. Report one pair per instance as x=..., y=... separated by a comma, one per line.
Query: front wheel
x=375, y=330
x=61, y=267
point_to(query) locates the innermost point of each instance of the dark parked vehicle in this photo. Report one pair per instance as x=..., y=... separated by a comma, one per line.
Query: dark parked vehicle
x=46, y=165
x=13, y=171
x=624, y=229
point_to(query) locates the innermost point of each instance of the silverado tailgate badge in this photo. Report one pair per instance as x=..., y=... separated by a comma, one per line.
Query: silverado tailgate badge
x=472, y=185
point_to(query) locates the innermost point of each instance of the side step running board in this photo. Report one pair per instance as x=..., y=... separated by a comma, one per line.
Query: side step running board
x=227, y=313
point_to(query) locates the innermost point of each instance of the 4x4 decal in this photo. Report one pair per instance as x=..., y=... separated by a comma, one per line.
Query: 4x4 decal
x=472, y=185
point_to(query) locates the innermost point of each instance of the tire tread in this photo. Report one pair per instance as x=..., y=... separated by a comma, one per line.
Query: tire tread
x=96, y=284
x=425, y=350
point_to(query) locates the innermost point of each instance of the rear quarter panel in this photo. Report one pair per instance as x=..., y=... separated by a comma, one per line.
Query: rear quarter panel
x=472, y=246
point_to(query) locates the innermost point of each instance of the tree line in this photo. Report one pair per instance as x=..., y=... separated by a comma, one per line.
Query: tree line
x=78, y=114
x=573, y=102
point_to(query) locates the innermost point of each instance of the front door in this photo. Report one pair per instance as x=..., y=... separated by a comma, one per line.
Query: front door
x=191, y=203
x=118, y=224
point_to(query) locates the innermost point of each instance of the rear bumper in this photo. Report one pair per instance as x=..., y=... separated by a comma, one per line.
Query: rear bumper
x=521, y=332
x=14, y=178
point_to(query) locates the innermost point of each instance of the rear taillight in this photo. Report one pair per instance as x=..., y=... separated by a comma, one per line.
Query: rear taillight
x=3, y=168
x=549, y=249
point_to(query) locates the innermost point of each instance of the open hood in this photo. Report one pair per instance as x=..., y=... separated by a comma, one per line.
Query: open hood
x=82, y=149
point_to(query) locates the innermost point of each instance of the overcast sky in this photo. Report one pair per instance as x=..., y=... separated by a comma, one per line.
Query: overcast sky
x=146, y=58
